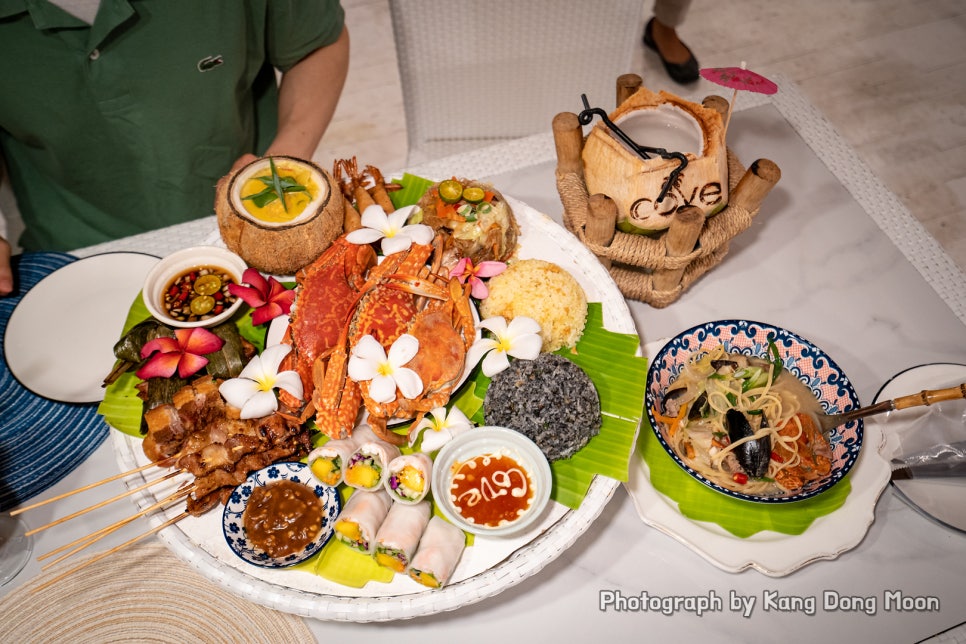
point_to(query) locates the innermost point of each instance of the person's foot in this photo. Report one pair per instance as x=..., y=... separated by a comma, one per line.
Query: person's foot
x=679, y=62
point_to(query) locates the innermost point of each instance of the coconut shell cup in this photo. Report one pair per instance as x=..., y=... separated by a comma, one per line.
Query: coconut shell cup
x=279, y=248
x=497, y=241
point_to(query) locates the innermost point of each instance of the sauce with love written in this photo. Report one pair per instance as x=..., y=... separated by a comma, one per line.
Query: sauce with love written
x=491, y=489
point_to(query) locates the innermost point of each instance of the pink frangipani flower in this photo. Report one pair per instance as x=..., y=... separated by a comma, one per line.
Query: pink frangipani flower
x=465, y=271
x=182, y=353
x=268, y=297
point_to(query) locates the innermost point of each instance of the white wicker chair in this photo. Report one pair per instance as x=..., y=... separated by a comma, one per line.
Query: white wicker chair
x=477, y=72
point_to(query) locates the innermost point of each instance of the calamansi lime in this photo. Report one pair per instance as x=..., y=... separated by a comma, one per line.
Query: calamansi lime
x=450, y=191
x=202, y=304
x=473, y=194
x=207, y=284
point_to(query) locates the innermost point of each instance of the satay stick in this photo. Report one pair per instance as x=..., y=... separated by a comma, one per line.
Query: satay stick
x=105, y=502
x=97, y=535
x=107, y=553
x=163, y=463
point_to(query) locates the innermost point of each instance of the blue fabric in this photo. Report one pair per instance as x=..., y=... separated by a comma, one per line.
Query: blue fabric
x=41, y=441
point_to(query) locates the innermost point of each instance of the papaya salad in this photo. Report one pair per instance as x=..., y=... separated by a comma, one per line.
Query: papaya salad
x=745, y=423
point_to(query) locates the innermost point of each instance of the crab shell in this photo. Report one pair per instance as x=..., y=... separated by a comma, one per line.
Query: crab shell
x=497, y=241
x=279, y=248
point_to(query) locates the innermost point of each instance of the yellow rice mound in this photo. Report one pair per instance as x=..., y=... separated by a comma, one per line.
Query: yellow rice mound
x=543, y=291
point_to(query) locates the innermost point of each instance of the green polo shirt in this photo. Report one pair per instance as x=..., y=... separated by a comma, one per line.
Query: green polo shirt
x=125, y=125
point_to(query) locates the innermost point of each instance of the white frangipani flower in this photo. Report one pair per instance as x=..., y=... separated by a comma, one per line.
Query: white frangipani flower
x=396, y=236
x=520, y=339
x=439, y=428
x=253, y=391
x=369, y=361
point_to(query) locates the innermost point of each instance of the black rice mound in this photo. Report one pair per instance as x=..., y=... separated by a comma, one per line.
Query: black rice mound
x=550, y=400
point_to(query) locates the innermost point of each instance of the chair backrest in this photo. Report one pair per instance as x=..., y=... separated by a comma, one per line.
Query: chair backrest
x=476, y=72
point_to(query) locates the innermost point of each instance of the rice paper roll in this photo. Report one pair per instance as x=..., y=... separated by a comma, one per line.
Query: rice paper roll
x=400, y=533
x=327, y=462
x=368, y=464
x=439, y=551
x=359, y=521
x=408, y=478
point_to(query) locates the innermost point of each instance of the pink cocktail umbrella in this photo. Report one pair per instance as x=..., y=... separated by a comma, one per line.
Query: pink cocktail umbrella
x=738, y=78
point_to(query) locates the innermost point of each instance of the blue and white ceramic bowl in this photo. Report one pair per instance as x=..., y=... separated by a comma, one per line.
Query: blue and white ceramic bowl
x=233, y=522
x=806, y=361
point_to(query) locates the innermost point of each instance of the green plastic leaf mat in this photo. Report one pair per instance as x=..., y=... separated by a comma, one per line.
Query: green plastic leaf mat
x=741, y=518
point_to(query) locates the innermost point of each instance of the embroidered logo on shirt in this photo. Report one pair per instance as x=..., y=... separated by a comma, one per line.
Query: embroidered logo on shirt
x=209, y=62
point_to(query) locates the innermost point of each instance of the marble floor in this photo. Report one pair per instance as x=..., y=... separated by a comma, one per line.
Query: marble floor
x=890, y=76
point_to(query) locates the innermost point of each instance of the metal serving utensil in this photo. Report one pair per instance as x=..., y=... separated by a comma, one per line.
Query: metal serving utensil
x=829, y=422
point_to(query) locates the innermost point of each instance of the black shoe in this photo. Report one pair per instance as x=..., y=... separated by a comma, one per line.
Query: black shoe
x=683, y=73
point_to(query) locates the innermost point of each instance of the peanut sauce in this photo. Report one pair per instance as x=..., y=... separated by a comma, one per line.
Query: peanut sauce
x=282, y=517
x=491, y=489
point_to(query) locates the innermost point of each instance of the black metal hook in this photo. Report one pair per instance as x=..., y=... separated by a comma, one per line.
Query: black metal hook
x=643, y=151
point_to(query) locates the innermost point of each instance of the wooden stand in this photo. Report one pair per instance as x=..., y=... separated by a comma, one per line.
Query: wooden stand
x=655, y=269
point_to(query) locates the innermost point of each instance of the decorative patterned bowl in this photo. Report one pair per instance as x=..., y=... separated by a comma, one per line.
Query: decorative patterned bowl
x=806, y=361
x=233, y=523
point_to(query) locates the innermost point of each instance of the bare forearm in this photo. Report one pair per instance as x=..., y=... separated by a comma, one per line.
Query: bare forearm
x=308, y=95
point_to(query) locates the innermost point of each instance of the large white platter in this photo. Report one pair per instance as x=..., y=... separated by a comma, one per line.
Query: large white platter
x=67, y=361
x=772, y=553
x=487, y=568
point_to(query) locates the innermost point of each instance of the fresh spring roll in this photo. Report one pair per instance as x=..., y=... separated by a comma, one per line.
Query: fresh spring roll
x=399, y=534
x=359, y=521
x=327, y=462
x=367, y=465
x=409, y=477
x=439, y=551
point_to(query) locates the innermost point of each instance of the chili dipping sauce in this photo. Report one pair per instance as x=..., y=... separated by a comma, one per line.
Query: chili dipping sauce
x=198, y=293
x=491, y=490
x=282, y=518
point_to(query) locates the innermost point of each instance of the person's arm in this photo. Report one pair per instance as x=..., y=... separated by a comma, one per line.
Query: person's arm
x=307, y=98
x=6, y=275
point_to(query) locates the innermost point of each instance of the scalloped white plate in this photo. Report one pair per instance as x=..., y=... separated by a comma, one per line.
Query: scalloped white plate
x=771, y=553
x=490, y=566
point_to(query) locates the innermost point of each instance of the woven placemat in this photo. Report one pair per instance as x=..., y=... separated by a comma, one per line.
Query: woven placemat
x=139, y=594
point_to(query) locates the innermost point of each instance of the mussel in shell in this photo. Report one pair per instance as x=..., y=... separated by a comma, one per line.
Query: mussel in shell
x=753, y=455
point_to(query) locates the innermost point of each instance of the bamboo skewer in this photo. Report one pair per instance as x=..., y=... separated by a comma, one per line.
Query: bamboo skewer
x=107, y=553
x=97, y=535
x=105, y=502
x=87, y=487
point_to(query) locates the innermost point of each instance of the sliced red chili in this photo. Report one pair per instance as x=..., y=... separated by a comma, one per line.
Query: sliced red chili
x=740, y=478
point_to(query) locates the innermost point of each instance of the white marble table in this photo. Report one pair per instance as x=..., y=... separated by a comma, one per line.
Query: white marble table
x=838, y=260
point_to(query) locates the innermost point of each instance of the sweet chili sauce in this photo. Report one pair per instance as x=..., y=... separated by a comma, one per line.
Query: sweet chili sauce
x=491, y=489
